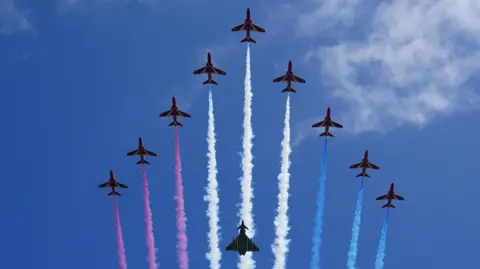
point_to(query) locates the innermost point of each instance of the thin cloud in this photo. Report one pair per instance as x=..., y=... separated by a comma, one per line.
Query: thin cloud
x=415, y=63
x=12, y=20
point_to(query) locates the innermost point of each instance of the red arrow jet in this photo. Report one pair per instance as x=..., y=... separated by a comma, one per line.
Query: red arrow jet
x=390, y=196
x=327, y=123
x=248, y=26
x=175, y=112
x=289, y=77
x=364, y=165
x=142, y=152
x=209, y=69
x=113, y=183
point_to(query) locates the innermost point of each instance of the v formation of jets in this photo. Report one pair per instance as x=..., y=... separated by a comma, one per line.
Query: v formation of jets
x=242, y=243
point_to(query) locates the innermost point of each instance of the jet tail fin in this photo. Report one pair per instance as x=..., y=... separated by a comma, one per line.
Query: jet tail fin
x=210, y=81
x=114, y=193
x=143, y=162
x=289, y=89
x=326, y=133
x=388, y=205
x=175, y=123
x=363, y=175
x=248, y=39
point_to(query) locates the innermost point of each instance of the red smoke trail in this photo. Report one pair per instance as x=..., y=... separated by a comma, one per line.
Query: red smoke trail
x=181, y=220
x=122, y=260
x=152, y=259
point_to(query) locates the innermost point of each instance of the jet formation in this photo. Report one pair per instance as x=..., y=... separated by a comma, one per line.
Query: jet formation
x=242, y=243
x=113, y=183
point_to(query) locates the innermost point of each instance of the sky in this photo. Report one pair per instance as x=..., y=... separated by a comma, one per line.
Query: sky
x=81, y=80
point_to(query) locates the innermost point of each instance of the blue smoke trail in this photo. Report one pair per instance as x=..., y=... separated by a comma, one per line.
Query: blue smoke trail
x=317, y=229
x=381, y=247
x=352, y=253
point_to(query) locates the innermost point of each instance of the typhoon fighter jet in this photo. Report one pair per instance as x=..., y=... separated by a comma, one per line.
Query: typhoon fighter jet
x=289, y=77
x=242, y=243
x=390, y=196
x=327, y=123
x=209, y=69
x=248, y=26
x=364, y=164
x=175, y=112
x=113, y=183
x=142, y=152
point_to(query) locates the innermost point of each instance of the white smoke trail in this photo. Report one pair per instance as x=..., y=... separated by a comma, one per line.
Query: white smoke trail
x=214, y=254
x=245, y=214
x=280, y=247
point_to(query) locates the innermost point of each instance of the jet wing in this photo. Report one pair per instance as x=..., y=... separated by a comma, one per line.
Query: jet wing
x=183, y=114
x=133, y=152
x=336, y=125
x=233, y=246
x=252, y=246
x=150, y=153
x=298, y=79
x=166, y=113
x=202, y=70
x=122, y=185
x=398, y=197
x=319, y=124
x=281, y=78
x=357, y=165
x=240, y=27
x=218, y=71
x=103, y=185
x=383, y=197
x=372, y=166
x=257, y=28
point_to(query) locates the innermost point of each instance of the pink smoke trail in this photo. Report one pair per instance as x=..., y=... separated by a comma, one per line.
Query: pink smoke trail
x=182, y=254
x=122, y=260
x=152, y=259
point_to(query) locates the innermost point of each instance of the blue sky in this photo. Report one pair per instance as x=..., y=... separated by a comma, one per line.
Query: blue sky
x=81, y=80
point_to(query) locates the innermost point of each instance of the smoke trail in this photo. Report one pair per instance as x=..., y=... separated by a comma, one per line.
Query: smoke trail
x=181, y=220
x=212, y=192
x=246, y=261
x=352, y=253
x=152, y=259
x=122, y=260
x=280, y=247
x=383, y=241
x=317, y=229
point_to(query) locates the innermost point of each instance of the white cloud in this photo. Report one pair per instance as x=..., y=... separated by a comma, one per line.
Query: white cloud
x=82, y=5
x=11, y=19
x=324, y=14
x=413, y=64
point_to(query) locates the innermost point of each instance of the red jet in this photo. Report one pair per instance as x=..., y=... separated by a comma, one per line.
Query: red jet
x=364, y=165
x=289, y=77
x=142, y=152
x=209, y=69
x=327, y=123
x=175, y=112
x=248, y=26
x=390, y=196
x=113, y=183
